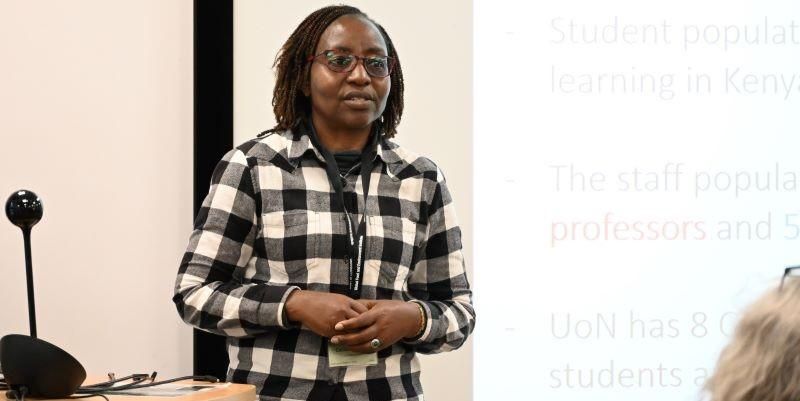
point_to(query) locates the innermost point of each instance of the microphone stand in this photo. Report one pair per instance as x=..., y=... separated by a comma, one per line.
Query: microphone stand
x=32, y=366
x=26, y=236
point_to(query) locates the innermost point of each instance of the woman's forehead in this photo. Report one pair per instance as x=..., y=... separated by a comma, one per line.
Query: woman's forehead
x=352, y=33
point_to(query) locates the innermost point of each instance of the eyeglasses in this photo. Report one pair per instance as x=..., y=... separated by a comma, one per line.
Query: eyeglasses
x=376, y=66
x=786, y=272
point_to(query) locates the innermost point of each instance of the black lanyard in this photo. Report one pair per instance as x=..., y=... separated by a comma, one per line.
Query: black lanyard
x=357, y=237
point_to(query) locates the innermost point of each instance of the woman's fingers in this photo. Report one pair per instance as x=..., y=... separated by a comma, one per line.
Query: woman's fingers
x=367, y=303
x=350, y=313
x=358, y=306
x=366, y=348
x=360, y=337
x=365, y=319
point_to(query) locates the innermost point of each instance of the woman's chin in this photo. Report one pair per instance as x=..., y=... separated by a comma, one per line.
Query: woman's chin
x=359, y=123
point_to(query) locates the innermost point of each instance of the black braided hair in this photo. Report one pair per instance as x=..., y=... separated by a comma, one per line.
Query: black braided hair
x=291, y=106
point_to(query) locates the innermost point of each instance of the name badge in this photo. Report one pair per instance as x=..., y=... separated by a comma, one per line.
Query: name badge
x=339, y=356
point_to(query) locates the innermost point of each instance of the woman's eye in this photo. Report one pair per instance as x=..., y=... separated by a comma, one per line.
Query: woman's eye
x=339, y=61
x=377, y=62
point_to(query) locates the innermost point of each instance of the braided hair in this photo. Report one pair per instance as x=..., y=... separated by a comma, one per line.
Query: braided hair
x=291, y=106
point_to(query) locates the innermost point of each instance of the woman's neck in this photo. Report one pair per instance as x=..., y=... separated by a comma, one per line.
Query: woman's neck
x=340, y=140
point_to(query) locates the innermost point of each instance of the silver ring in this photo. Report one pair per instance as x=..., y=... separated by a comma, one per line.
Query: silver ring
x=375, y=343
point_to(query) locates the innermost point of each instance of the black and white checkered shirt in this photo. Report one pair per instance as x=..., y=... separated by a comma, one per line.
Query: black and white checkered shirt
x=269, y=226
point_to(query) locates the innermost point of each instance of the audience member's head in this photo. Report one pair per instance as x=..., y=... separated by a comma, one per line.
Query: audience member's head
x=762, y=361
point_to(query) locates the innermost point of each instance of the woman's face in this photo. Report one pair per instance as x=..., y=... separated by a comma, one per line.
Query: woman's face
x=348, y=100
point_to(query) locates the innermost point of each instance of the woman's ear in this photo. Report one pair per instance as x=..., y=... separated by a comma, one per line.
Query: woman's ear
x=305, y=89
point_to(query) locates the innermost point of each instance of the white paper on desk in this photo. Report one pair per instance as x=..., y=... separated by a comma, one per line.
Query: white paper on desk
x=171, y=389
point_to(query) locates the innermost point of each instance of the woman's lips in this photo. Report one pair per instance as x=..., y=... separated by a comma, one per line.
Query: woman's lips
x=358, y=103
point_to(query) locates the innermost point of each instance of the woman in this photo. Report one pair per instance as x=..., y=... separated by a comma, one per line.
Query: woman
x=762, y=361
x=327, y=254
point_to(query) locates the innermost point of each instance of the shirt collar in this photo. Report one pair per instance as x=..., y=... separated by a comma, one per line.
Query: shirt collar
x=301, y=144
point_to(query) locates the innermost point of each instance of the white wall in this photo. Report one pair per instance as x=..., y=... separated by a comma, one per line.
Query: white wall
x=96, y=118
x=437, y=120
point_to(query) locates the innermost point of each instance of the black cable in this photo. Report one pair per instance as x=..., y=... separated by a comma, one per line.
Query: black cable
x=101, y=389
x=17, y=394
x=136, y=385
x=87, y=396
x=136, y=377
x=211, y=379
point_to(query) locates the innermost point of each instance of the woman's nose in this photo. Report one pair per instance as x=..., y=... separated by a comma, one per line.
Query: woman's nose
x=359, y=74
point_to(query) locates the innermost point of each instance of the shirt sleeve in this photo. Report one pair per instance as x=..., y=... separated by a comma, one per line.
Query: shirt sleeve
x=439, y=282
x=210, y=292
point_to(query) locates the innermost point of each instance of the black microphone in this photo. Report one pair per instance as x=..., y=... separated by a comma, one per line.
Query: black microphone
x=24, y=209
x=32, y=366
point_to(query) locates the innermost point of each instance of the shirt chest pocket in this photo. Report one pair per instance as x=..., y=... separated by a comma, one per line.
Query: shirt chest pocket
x=390, y=250
x=291, y=242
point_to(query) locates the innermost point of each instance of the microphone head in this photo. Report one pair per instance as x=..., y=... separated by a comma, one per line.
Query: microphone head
x=24, y=209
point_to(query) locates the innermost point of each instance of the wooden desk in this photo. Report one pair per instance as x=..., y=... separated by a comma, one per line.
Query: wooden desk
x=225, y=392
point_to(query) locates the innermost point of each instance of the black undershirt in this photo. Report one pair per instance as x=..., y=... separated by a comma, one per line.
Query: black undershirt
x=347, y=160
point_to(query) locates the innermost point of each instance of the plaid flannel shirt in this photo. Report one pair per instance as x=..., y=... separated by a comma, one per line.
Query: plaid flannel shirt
x=269, y=226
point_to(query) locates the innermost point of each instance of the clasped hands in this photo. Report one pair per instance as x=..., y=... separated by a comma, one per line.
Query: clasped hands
x=353, y=323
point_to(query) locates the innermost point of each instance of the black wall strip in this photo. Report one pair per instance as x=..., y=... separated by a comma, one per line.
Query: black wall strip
x=213, y=134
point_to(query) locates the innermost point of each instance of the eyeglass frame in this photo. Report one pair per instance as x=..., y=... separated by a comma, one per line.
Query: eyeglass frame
x=359, y=59
x=786, y=272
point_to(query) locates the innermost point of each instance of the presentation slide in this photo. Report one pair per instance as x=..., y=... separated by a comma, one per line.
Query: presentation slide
x=636, y=186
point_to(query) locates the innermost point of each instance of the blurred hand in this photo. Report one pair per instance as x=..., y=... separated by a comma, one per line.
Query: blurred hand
x=386, y=320
x=320, y=311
